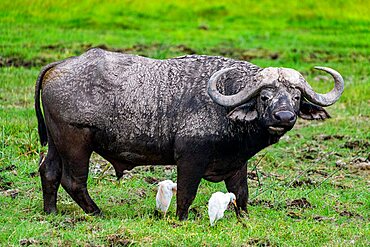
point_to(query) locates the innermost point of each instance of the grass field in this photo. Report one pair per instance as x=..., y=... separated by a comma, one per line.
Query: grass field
x=310, y=189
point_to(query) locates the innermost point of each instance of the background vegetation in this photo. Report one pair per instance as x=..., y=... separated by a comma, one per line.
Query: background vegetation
x=312, y=188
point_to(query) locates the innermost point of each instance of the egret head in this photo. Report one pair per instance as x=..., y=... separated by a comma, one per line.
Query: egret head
x=232, y=198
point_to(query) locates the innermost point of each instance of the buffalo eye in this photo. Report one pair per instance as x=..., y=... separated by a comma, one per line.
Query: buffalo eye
x=264, y=98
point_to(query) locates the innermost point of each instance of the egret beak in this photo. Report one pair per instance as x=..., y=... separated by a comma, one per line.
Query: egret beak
x=236, y=209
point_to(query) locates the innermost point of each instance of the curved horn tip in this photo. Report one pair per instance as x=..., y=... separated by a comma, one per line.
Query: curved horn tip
x=331, y=71
x=327, y=69
x=320, y=67
x=220, y=72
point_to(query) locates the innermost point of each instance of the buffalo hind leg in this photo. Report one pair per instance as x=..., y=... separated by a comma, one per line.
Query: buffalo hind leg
x=237, y=184
x=74, y=179
x=74, y=147
x=50, y=168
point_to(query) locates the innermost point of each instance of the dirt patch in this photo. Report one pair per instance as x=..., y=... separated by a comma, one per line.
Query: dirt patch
x=175, y=225
x=325, y=56
x=139, y=49
x=245, y=54
x=299, y=203
x=259, y=242
x=349, y=214
x=151, y=180
x=137, y=193
x=357, y=144
x=71, y=50
x=119, y=201
x=294, y=215
x=261, y=202
x=323, y=137
x=12, y=193
x=8, y=168
x=360, y=164
x=75, y=220
x=256, y=175
x=119, y=240
x=236, y=53
x=311, y=152
x=21, y=62
x=5, y=184
x=29, y=241
x=320, y=218
x=314, y=171
x=253, y=175
x=303, y=182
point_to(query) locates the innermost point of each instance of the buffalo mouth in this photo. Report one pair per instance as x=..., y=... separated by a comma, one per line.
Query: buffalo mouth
x=277, y=130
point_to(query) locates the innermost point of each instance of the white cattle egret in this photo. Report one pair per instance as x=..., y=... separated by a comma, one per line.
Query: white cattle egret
x=218, y=204
x=166, y=189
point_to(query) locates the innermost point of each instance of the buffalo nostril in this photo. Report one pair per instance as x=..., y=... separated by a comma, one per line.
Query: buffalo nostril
x=285, y=116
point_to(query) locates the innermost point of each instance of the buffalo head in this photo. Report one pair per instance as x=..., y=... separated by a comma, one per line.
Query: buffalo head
x=276, y=97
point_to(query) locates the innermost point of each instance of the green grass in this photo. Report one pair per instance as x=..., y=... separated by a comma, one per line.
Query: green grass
x=289, y=34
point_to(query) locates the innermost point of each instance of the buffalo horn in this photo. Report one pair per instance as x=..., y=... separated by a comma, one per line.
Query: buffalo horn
x=228, y=100
x=328, y=98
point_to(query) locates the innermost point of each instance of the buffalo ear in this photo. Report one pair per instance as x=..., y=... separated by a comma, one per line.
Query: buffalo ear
x=244, y=113
x=310, y=111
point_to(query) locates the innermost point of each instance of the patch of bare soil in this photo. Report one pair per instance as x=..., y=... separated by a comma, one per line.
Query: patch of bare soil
x=303, y=182
x=5, y=184
x=21, y=62
x=259, y=242
x=350, y=214
x=7, y=168
x=357, y=144
x=12, y=193
x=294, y=215
x=324, y=137
x=320, y=218
x=319, y=172
x=310, y=152
x=261, y=202
x=175, y=225
x=151, y=180
x=255, y=175
x=324, y=56
x=245, y=54
x=140, y=49
x=299, y=203
x=29, y=241
x=141, y=193
x=360, y=165
x=119, y=240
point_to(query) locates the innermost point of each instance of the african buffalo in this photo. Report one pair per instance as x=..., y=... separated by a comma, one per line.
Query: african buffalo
x=206, y=114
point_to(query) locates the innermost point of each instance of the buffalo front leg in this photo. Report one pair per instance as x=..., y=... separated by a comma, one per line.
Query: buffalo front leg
x=190, y=170
x=237, y=184
x=50, y=168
